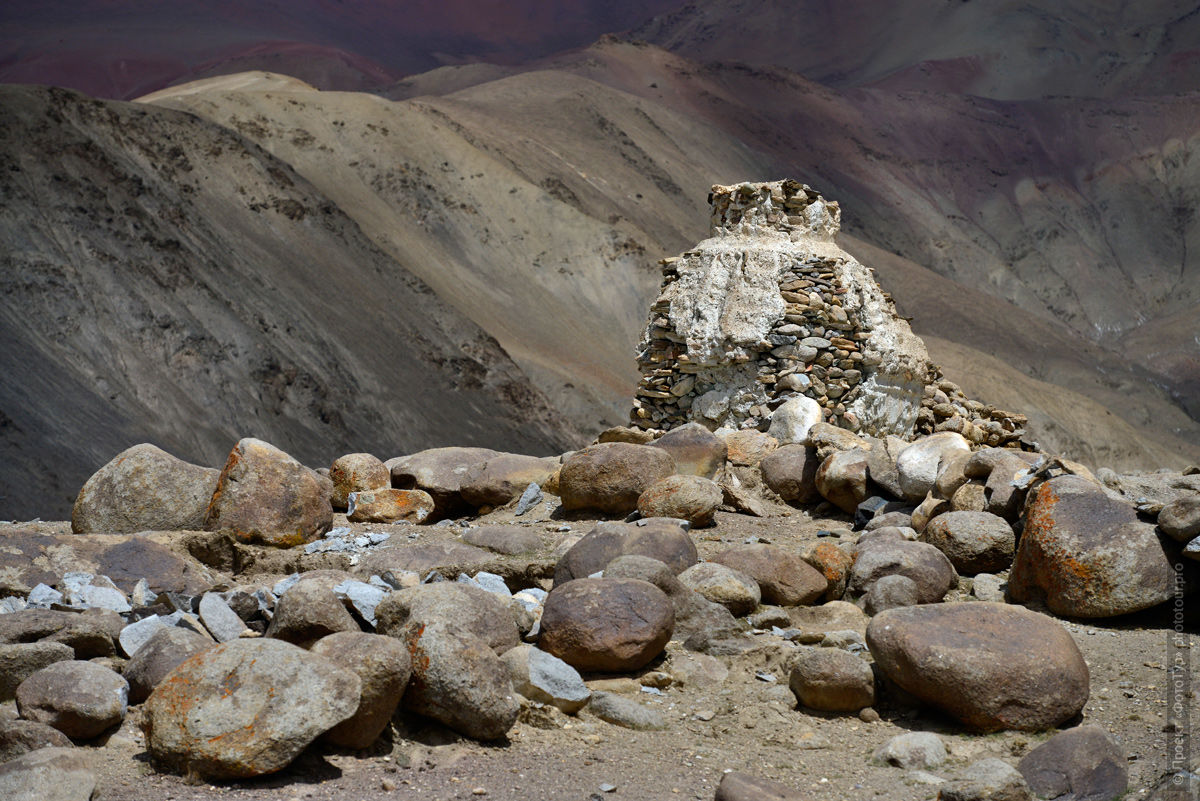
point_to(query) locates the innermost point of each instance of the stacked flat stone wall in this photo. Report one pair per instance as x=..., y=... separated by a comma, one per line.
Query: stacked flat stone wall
x=769, y=308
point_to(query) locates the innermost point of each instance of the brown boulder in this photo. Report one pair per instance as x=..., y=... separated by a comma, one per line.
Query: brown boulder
x=695, y=449
x=389, y=506
x=747, y=447
x=893, y=555
x=992, y=666
x=832, y=680
x=691, y=498
x=356, y=472
x=791, y=473
x=440, y=472
x=663, y=539
x=310, y=610
x=842, y=479
x=610, y=624
x=498, y=480
x=1087, y=555
x=143, y=488
x=784, y=578
x=974, y=542
x=609, y=478
x=265, y=496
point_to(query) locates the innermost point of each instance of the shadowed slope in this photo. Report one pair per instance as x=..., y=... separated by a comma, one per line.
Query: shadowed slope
x=165, y=280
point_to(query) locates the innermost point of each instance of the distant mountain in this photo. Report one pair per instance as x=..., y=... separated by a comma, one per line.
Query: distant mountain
x=126, y=48
x=1001, y=49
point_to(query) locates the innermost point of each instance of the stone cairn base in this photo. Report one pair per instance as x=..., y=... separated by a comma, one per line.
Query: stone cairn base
x=769, y=308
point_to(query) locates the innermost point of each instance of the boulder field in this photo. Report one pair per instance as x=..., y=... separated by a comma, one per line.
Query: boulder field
x=272, y=623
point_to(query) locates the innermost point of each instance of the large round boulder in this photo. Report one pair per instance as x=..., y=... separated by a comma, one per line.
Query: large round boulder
x=459, y=681
x=382, y=665
x=143, y=488
x=918, y=464
x=265, y=496
x=974, y=542
x=783, y=577
x=80, y=699
x=245, y=708
x=991, y=666
x=608, y=624
x=791, y=473
x=468, y=609
x=356, y=472
x=691, y=498
x=842, y=479
x=919, y=561
x=663, y=539
x=695, y=449
x=1087, y=555
x=610, y=477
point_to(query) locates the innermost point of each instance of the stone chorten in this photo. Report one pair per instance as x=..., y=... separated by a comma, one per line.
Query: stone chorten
x=768, y=308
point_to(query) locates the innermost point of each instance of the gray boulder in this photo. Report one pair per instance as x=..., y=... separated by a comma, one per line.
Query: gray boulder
x=165, y=649
x=625, y=712
x=732, y=589
x=467, y=609
x=143, y=488
x=19, y=661
x=19, y=737
x=245, y=708
x=459, y=681
x=1081, y=763
x=80, y=699
x=832, y=680
x=543, y=677
x=987, y=780
x=916, y=750
x=919, y=561
x=663, y=539
x=49, y=774
x=974, y=542
x=383, y=667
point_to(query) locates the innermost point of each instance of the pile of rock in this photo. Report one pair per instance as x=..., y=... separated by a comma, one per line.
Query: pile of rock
x=769, y=309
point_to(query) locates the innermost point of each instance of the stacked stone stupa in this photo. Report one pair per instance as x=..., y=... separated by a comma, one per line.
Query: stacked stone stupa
x=769, y=308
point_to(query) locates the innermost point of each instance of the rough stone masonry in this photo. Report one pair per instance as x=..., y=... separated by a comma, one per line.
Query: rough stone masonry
x=768, y=308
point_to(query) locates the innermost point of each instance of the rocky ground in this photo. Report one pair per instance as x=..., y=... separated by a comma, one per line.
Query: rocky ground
x=741, y=723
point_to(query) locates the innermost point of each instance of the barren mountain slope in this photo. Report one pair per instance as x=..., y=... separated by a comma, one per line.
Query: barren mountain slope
x=536, y=205
x=1073, y=212
x=163, y=279
x=1004, y=49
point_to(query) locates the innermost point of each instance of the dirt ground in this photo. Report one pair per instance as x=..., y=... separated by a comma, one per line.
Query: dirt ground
x=743, y=723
